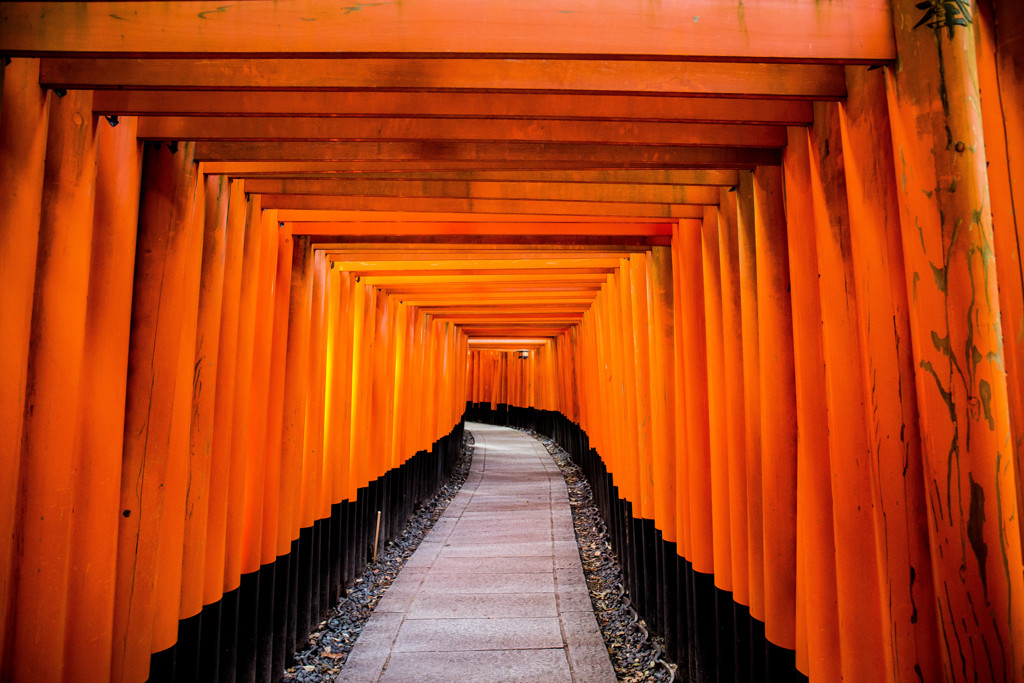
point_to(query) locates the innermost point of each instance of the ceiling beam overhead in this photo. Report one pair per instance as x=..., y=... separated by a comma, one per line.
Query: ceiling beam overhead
x=452, y=105
x=579, y=76
x=478, y=130
x=563, y=192
x=785, y=30
x=584, y=156
x=468, y=205
x=299, y=169
x=580, y=227
x=412, y=217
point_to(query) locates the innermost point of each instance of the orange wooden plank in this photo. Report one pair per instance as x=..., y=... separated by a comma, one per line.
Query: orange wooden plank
x=299, y=215
x=585, y=156
x=582, y=76
x=451, y=105
x=476, y=129
x=450, y=204
x=336, y=171
x=396, y=166
x=487, y=190
x=769, y=29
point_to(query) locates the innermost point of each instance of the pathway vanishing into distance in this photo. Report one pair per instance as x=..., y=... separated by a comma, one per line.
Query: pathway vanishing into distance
x=495, y=592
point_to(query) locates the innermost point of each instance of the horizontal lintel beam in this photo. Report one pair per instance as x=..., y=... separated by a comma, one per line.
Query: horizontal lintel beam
x=579, y=76
x=457, y=105
x=785, y=30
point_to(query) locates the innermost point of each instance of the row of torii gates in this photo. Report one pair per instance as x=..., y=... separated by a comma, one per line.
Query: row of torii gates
x=759, y=258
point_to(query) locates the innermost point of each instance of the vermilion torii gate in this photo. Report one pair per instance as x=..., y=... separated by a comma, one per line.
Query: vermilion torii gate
x=257, y=261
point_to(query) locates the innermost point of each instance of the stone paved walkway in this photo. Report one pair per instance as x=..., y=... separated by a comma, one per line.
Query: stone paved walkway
x=495, y=592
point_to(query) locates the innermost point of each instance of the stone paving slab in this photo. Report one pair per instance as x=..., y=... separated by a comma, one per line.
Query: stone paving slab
x=482, y=666
x=493, y=565
x=483, y=605
x=536, y=582
x=496, y=590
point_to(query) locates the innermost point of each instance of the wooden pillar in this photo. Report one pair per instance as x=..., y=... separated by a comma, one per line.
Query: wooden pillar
x=735, y=429
x=204, y=388
x=221, y=458
x=860, y=598
x=274, y=472
x=663, y=380
x=696, y=369
x=98, y=448
x=179, y=465
x=817, y=617
x=718, y=460
x=158, y=315
x=259, y=392
x=747, y=247
x=251, y=249
x=778, y=408
x=682, y=498
x=641, y=324
x=53, y=392
x=948, y=248
x=900, y=511
x=24, y=112
x=999, y=41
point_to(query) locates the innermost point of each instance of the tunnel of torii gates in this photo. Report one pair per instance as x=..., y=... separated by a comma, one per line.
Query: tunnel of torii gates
x=755, y=265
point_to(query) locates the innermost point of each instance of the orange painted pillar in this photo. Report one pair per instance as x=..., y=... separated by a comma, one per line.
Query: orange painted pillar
x=240, y=434
x=679, y=288
x=360, y=394
x=338, y=409
x=158, y=315
x=221, y=458
x=778, y=408
x=627, y=363
x=204, y=387
x=719, y=461
x=259, y=392
x=296, y=392
x=274, y=473
x=179, y=465
x=24, y=112
x=998, y=39
x=663, y=380
x=817, y=618
x=53, y=393
x=948, y=248
x=900, y=510
x=695, y=373
x=98, y=447
x=313, y=452
x=735, y=429
x=860, y=616
x=747, y=248
x=88, y=640
x=644, y=442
